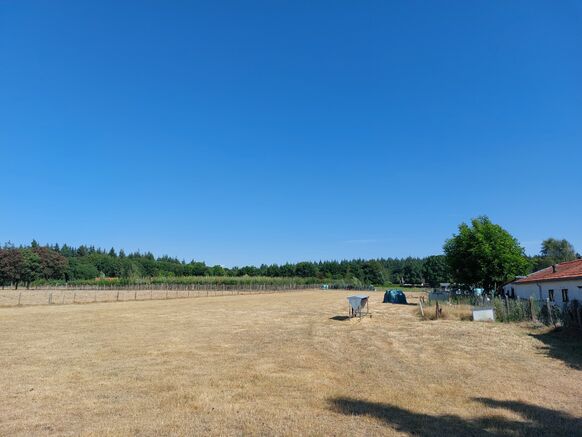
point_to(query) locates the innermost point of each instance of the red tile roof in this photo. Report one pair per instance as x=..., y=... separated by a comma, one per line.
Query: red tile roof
x=566, y=270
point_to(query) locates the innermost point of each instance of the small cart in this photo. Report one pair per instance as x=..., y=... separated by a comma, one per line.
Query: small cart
x=357, y=304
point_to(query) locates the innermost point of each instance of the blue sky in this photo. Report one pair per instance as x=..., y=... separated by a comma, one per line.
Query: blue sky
x=249, y=132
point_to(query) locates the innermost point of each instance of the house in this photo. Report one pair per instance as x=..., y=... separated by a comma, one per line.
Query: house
x=560, y=283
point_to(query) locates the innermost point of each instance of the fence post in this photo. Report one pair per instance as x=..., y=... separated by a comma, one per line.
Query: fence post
x=437, y=310
x=506, y=307
x=19, y=296
x=95, y=297
x=531, y=310
x=50, y=300
x=117, y=298
x=549, y=307
x=421, y=309
x=135, y=295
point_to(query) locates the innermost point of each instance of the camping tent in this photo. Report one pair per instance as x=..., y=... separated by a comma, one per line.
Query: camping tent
x=395, y=296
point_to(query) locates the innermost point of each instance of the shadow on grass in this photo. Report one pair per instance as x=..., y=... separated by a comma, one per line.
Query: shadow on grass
x=564, y=345
x=537, y=421
x=339, y=318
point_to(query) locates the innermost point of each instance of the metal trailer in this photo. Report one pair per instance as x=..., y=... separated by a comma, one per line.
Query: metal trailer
x=357, y=304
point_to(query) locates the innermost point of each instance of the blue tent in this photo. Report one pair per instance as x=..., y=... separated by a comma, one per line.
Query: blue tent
x=395, y=296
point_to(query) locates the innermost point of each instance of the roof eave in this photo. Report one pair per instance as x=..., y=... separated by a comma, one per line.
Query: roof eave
x=533, y=281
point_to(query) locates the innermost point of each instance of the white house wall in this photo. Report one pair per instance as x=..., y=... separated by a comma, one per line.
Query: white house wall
x=532, y=289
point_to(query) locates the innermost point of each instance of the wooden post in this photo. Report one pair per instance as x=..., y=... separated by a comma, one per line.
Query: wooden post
x=19, y=296
x=50, y=300
x=506, y=307
x=135, y=295
x=437, y=310
x=531, y=310
x=421, y=309
x=95, y=298
x=549, y=307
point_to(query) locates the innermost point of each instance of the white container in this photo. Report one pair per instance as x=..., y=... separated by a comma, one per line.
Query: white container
x=483, y=315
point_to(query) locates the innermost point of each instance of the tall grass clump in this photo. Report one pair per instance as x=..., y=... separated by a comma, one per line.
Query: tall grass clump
x=507, y=310
x=521, y=310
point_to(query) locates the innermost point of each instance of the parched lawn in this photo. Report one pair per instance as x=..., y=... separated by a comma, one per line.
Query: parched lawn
x=279, y=365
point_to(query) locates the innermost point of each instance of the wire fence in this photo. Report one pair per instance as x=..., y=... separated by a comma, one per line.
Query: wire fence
x=180, y=286
x=520, y=310
x=93, y=294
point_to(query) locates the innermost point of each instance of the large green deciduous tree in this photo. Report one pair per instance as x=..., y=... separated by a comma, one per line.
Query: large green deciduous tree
x=553, y=251
x=435, y=270
x=484, y=254
x=558, y=250
x=11, y=263
x=31, y=267
x=53, y=264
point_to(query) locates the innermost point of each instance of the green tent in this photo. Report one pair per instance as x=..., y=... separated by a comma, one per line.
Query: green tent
x=395, y=296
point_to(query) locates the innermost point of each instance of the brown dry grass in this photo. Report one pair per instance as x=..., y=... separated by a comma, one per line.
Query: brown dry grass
x=278, y=365
x=60, y=296
x=449, y=312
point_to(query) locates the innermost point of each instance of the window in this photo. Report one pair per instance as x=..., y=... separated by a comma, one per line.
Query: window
x=565, y=295
x=551, y=295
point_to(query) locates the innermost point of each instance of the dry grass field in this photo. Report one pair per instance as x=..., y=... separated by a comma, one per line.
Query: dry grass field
x=286, y=364
x=24, y=297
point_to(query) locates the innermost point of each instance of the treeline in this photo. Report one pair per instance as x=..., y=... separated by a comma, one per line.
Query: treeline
x=468, y=260
x=36, y=263
x=190, y=282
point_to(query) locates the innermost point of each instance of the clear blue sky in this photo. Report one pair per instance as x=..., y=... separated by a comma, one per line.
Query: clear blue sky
x=248, y=132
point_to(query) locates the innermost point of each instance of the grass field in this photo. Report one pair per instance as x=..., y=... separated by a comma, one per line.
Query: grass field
x=61, y=296
x=287, y=364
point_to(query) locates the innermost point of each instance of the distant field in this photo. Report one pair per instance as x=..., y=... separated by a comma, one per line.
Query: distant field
x=62, y=296
x=279, y=364
x=65, y=296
